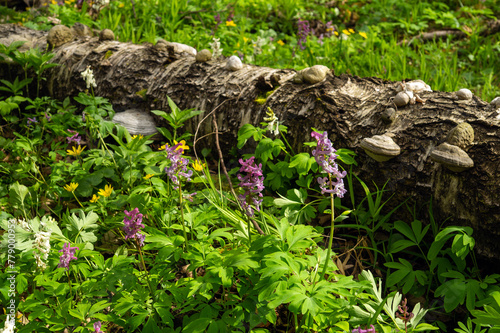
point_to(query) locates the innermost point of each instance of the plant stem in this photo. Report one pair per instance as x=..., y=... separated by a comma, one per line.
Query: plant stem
x=182, y=218
x=144, y=268
x=332, y=225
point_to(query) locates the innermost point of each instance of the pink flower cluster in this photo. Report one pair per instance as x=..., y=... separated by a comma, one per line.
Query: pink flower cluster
x=252, y=183
x=325, y=156
x=133, y=224
x=67, y=256
x=178, y=165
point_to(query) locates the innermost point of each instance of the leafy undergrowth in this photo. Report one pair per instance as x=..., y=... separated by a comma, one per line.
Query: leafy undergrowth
x=104, y=231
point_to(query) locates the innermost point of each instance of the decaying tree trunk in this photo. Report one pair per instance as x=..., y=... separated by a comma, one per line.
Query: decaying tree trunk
x=348, y=107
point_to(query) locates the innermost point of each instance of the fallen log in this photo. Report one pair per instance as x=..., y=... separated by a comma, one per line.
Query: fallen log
x=352, y=109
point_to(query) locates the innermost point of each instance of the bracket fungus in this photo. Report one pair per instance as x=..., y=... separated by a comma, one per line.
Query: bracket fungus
x=203, y=56
x=136, y=122
x=234, y=63
x=464, y=94
x=388, y=115
x=461, y=135
x=452, y=157
x=106, y=34
x=415, y=86
x=380, y=147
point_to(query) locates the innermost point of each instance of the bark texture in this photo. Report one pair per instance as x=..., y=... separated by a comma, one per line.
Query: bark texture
x=348, y=107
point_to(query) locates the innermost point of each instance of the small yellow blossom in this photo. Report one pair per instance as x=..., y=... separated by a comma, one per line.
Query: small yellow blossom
x=329, y=29
x=245, y=39
x=198, y=166
x=140, y=136
x=106, y=192
x=76, y=151
x=363, y=34
x=163, y=147
x=54, y=2
x=94, y=198
x=230, y=23
x=121, y=5
x=351, y=31
x=148, y=176
x=182, y=146
x=336, y=33
x=71, y=187
x=345, y=31
x=280, y=42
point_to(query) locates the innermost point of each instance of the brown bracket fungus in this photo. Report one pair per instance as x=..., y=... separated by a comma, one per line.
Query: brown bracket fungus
x=464, y=94
x=452, y=157
x=380, y=147
x=59, y=35
x=106, y=34
x=461, y=135
x=203, y=56
x=388, y=115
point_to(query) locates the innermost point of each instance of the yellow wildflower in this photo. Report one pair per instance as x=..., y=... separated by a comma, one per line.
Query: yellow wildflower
x=163, y=147
x=245, y=39
x=94, y=198
x=76, y=151
x=336, y=33
x=345, y=31
x=198, y=166
x=280, y=42
x=71, y=187
x=121, y=5
x=106, y=192
x=363, y=34
x=351, y=31
x=230, y=23
x=140, y=136
x=54, y=2
x=182, y=145
x=148, y=176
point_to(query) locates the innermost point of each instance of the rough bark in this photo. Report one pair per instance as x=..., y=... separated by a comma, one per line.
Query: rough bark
x=348, y=107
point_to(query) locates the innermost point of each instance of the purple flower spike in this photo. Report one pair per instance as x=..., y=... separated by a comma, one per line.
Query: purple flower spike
x=133, y=224
x=252, y=183
x=97, y=327
x=304, y=31
x=325, y=156
x=67, y=256
x=75, y=138
x=31, y=120
x=178, y=165
x=366, y=330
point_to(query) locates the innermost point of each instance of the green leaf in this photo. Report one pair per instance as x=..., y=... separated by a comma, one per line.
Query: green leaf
x=17, y=194
x=246, y=132
x=302, y=163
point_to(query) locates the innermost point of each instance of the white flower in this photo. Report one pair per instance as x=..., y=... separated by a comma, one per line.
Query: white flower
x=216, y=50
x=88, y=76
x=42, y=247
x=22, y=223
x=273, y=123
x=9, y=325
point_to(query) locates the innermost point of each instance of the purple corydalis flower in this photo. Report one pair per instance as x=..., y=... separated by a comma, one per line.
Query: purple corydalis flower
x=133, y=224
x=97, y=327
x=68, y=254
x=252, y=183
x=403, y=313
x=325, y=156
x=47, y=116
x=304, y=30
x=76, y=138
x=366, y=330
x=178, y=165
x=31, y=120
